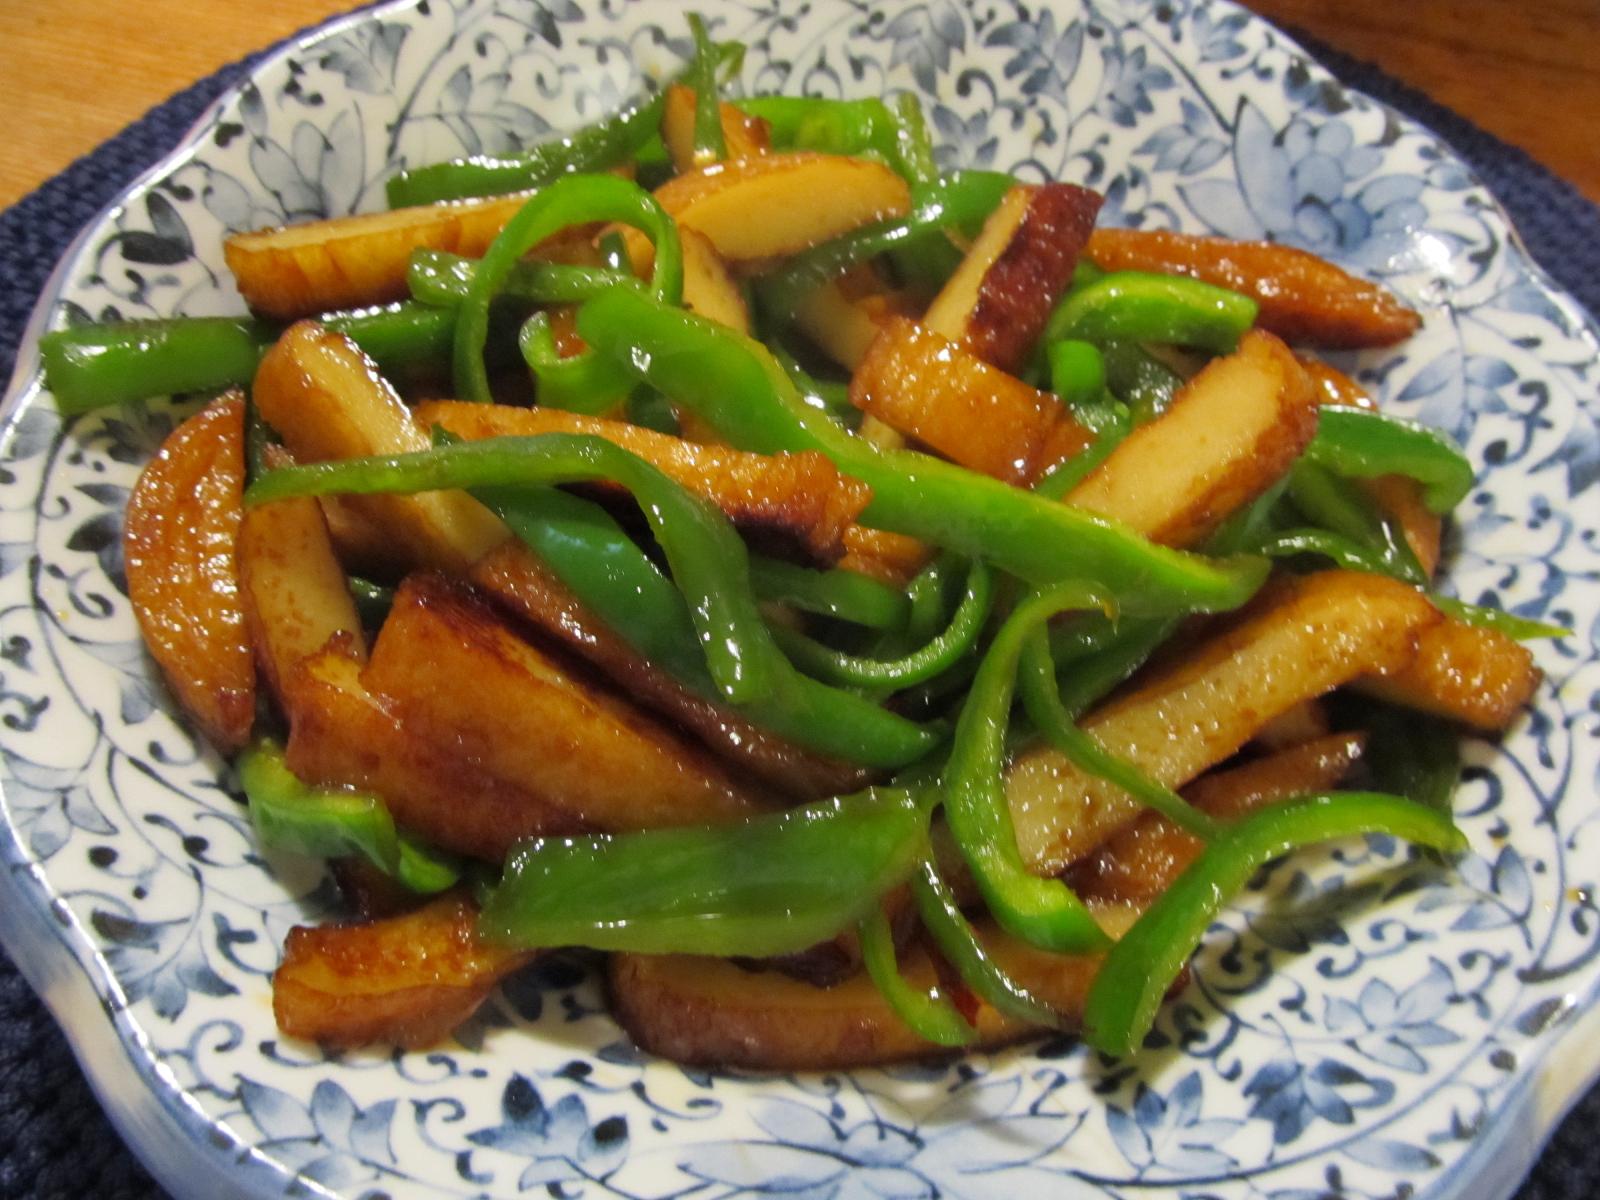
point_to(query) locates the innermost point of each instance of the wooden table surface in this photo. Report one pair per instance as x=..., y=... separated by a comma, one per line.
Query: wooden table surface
x=82, y=69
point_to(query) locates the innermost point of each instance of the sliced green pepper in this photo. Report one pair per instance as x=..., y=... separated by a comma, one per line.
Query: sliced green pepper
x=331, y=823
x=944, y=921
x=1044, y=912
x=928, y=1014
x=738, y=388
x=1140, y=380
x=1153, y=308
x=595, y=147
x=708, y=561
x=96, y=366
x=1041, y=697
x=1523, y=629
x=583, y=383
x=773, y=884
x=1142, y=965
x=709, y=143
x=1363, y=445
x=443, y=280
x=841, y=594
x=933, y=658
x=1333, y=503
x=572, y=200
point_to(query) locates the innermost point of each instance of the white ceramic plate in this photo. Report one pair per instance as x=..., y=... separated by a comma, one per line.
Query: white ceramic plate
x=1361, y=1026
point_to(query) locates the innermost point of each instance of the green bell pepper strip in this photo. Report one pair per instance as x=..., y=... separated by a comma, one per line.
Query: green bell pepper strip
x=1092, y=677
x=596, y=147
x=928, y=1014
x=572, y=200
x=1044, y=912
x=1115, y=422
x=1333, y=503
x=442, y=280
x=1041, y=698
x=332, y=823
x=96, y=366
x=614, y=253
x=1407, y=753
x=1127, y=991
x=914, y=145
x=957, y=941
x=841, y=594
x=769, y=885
x=1523, y=629
x=922, y=664
x=826, y=396
x=1358, y=444
x=963, y=199
x=373, y=600
x=1153, y=308
x=1077, y=374
x=1341, y=550
x=708, y=562
x=709, y=143
x=1140, y=380
x=850, y=127
x=741, y=391
x=583, y=383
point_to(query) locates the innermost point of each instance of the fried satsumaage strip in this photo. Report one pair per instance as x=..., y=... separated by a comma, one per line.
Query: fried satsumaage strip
x=326, y=400
x=745, y=206
x=466, y=690
x=934, y=390
x=296, y=596
x=1302, y=638
x=405, y=980
x=1466, y=673
x=179, y=546
x=524, y=586
x=347, y=262
x=1000, y=297
x=1139, y=863
x=799, y=501
x=1232, y=431
x=713, y=1012
x=1303, y=298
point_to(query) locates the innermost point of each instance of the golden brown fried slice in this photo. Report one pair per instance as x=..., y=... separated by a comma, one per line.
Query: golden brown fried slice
x=796, y=499
x=773, y=205
x=711, y=1012
x=998, y=300
x=326, y=400
x=404, y=981
x=888, y=557
x=295, y=593
x=1465, y=673
x=1303, y=298
x=709, y=290
x=342, y=735
x=346, y=262
x=926, y=386
x=179, y=543
x=522, y=585
x=1232, y=431
x=742, y=135
x=1299, y=640
x=1140, y=863
x=456, y=674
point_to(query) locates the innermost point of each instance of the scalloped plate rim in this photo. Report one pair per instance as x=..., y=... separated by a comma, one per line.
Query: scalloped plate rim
x=111, y=1048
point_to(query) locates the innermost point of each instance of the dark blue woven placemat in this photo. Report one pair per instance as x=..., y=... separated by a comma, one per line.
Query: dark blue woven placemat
x=54, y=1139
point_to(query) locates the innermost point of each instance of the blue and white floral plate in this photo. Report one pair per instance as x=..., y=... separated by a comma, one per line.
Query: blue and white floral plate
x=1361, y=1026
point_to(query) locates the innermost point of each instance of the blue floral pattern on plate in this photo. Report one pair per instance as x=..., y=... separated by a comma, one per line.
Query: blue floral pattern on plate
x=1361, y=1025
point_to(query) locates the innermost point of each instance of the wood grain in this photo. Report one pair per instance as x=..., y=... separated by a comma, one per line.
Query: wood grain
x=79, y=70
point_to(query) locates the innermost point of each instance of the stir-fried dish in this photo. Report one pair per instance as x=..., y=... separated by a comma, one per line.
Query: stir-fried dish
x=878, y=608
